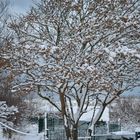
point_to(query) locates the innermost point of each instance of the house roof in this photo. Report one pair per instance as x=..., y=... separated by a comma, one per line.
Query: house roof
x=87, y=116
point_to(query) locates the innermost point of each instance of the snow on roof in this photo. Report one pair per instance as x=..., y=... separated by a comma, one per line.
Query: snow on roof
x=88, y=115
x=137, y=129
x=120, y=133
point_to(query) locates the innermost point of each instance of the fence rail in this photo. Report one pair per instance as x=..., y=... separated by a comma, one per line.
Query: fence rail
x=17, y=131
x=59, y=134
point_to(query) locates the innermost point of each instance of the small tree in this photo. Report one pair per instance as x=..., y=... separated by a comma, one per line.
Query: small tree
x=78, y=53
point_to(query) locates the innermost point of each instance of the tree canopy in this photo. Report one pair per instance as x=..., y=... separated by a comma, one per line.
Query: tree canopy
x=78, y=52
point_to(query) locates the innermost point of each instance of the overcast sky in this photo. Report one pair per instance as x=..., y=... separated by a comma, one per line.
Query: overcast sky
x=20, y=6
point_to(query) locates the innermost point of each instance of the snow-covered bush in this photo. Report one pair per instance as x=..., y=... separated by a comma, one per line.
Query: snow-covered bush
x=126, y=110
x=6, y=111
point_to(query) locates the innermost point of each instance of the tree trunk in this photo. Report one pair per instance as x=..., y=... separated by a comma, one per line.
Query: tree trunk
x=75, y=132
x=72, y=134
x=68, y=133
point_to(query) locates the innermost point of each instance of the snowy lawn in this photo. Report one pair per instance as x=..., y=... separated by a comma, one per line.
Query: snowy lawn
x=31, y=135
x=16, y=137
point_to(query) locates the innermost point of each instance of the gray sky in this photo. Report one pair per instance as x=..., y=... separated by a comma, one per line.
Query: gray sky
x=20, y=6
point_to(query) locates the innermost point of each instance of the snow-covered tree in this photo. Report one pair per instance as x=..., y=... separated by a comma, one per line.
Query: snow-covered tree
x=4, y=35
x=11, y=105
x=3, y=21
x=127, y=109
x=78, y=53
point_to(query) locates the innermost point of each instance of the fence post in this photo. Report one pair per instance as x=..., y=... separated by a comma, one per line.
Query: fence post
x=137, y=134
x=46, y=127
x=108, y=130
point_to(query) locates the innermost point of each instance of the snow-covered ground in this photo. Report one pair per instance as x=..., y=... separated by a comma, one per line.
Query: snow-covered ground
x=39, y=137
x=31, y=135
x=23, y=138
